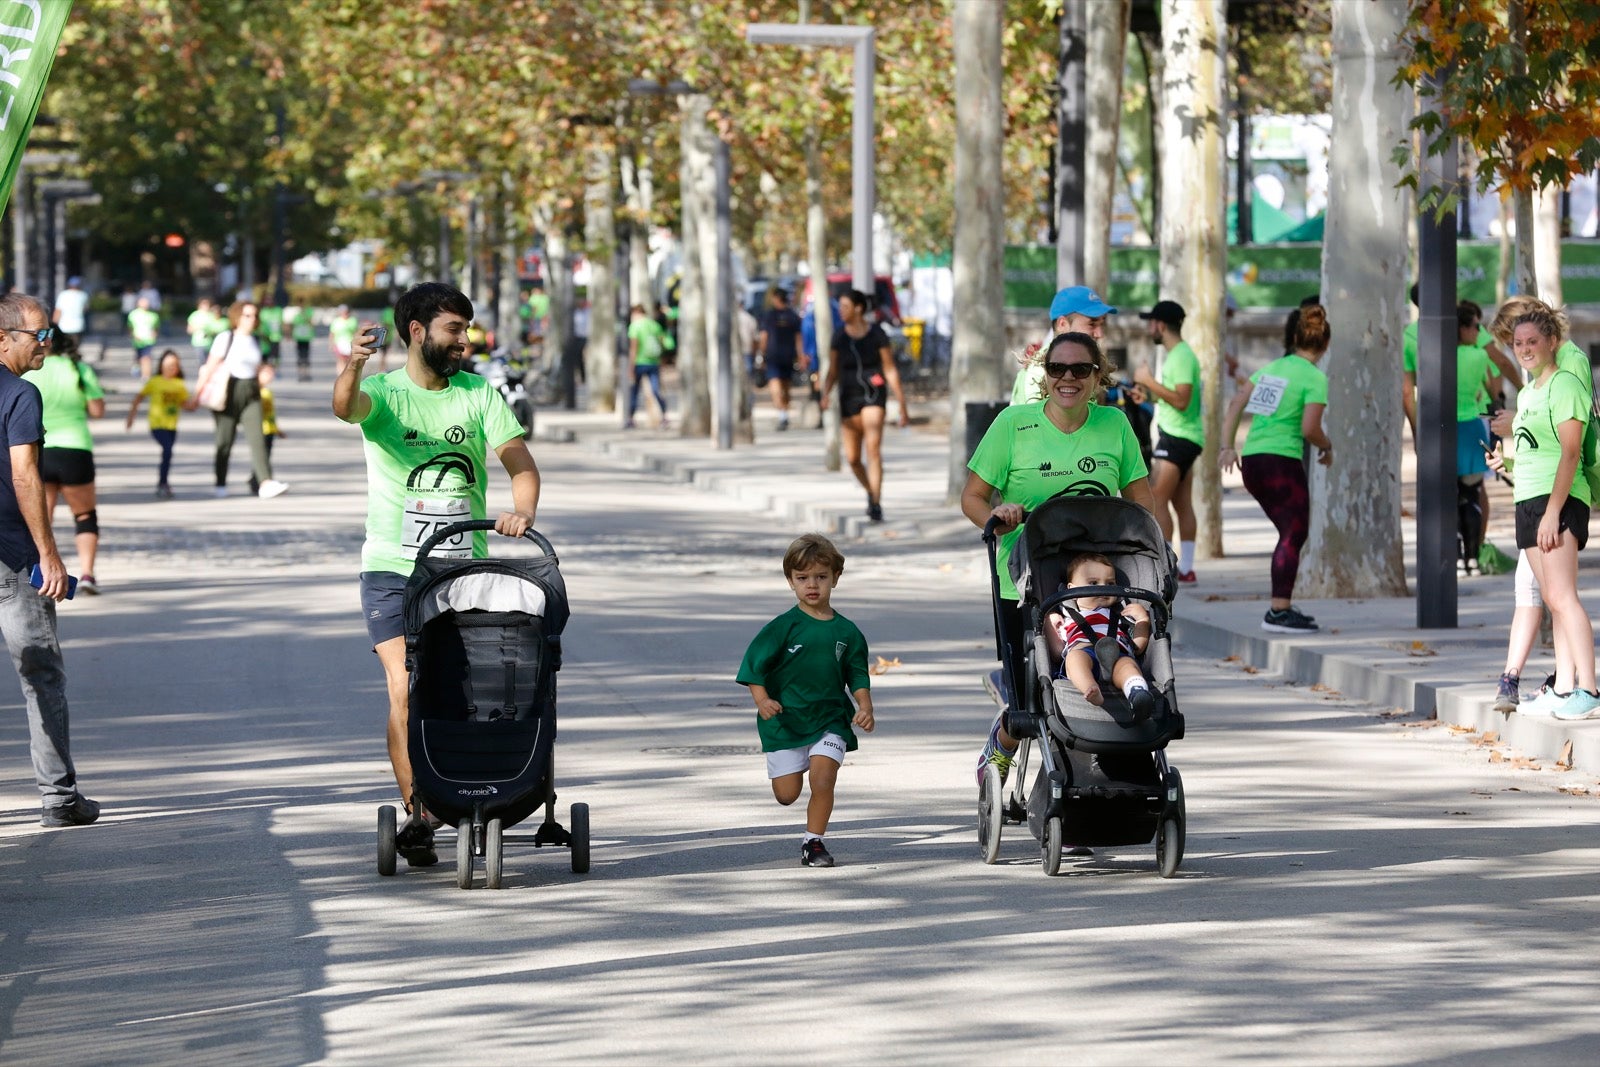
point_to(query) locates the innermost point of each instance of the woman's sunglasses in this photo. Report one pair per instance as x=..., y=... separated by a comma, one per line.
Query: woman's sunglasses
x=1079, y=371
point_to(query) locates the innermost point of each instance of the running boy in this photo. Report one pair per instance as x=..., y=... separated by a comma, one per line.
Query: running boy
x=798, y=669
x=1077, y=631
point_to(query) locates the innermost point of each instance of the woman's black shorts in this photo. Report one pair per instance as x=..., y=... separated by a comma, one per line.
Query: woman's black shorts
x=66, y=466
x=1574, y=520
x=851, y=401
x=1179, y=451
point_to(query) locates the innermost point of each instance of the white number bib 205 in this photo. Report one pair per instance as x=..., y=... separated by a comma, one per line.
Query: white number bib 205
x=424, y=518
x=1267, y=395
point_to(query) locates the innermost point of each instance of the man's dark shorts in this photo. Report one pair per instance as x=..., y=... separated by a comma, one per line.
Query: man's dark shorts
x=66, y=466
x=1179, y=451
x=1574, y=520
x=778, y=369
x=383, y=605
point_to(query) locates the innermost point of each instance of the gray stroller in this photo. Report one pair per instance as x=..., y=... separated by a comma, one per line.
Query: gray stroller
x=1104, y=779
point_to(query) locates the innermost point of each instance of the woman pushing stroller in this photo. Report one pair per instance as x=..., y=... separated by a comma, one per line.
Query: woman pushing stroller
x=1058, y=445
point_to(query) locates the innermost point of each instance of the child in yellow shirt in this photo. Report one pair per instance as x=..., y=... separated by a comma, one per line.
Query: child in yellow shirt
x=167, y=392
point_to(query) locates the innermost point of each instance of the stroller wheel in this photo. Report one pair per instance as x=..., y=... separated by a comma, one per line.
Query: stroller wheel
x=580, y=839
x=387, y=821
x=991, y=814
x=1052, y=846
x=464, y=854
x=1169, y=846
x=493, y=853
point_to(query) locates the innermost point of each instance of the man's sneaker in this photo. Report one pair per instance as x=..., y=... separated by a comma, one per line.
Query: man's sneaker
x=1507, y=696
x=220, y=491
x=815, y=854
x=415, y=843
x=1287, y=621
x=1582, y=704
x=1544, y=705
x=783, y=423
x=80, y=811
x=271, y=488
x=88, y=586
x=1187, y=578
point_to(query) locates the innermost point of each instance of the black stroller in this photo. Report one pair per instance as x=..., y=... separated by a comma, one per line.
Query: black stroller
x=1104, y=778
x=483, y=644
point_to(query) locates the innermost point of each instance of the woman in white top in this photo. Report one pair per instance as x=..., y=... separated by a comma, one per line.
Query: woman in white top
x=236, y=354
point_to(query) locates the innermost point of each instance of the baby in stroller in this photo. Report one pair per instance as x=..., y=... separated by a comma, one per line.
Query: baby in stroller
x=1085, y=632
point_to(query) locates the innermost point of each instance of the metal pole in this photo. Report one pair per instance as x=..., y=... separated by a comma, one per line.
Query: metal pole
x=863, y=191
x=1436, y=404
x=724, y=304
x=444, y=244
x=21, y=197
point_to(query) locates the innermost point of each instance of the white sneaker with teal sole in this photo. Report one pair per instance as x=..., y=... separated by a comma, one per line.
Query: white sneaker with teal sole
x=1582, y=704
x=1544, y=705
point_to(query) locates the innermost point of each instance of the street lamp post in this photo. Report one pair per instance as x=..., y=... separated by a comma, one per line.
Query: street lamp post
x=863, y=191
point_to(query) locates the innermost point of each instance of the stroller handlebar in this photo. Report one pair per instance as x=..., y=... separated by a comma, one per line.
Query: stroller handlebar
x=989, y=535
x=473, y=525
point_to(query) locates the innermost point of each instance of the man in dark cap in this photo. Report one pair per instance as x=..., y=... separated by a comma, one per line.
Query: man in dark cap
x=1182, y=433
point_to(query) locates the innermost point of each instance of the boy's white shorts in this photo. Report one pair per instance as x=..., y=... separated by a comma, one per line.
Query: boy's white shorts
x=796, y=760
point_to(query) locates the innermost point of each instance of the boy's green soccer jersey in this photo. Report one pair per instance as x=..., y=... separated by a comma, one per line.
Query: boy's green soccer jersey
x=810, y=666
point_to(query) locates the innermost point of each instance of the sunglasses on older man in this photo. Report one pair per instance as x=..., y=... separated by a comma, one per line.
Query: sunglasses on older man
x=42, y=336
x=1079, y=371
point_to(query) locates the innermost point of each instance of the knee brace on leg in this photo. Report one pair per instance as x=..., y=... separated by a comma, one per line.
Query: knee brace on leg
x=87, y=523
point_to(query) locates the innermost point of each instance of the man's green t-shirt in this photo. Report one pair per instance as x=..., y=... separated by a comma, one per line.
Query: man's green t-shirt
x=1408, y=345
x=1181, y=367
x=305, y=324
x=1536, y=445
x=1472, y=367
x=203, y=326
x=539, y=306
x=652, y=341
x=271, y=319
x=1570, y=358
x=1029, y=460
x=65, y=387
x=426, y=464
x=810, y=666
x=1278, y=398
x=145, y=326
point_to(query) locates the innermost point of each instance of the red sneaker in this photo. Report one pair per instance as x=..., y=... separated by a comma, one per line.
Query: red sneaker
x=1187, y=578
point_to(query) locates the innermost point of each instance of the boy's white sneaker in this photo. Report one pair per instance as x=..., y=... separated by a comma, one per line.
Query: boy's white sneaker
x=271, y=488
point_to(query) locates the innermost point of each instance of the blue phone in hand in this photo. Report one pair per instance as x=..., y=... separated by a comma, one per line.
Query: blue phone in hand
x=36, y=579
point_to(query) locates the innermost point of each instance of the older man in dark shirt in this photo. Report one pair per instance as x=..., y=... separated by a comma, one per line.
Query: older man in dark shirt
x=28, y=618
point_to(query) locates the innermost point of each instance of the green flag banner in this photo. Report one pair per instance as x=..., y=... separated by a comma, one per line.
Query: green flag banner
x=29, y=33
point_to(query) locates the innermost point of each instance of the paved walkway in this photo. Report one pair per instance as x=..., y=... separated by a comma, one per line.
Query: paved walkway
x=1369, y=649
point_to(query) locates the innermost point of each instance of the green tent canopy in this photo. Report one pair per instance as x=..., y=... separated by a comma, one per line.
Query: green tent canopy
x=1267, y=223
x=1307, y=232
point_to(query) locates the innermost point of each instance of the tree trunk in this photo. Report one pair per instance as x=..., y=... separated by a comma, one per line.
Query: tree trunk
x=600, y=245
x=637, y=196
x=1356, y=535
x=978, y=348
x=1547, y=243
x=509, y=296
x=1502, y=280
x=1072, y=108
x=1108, y=43
x=1527, y=258
x=1194, y=249
x=693, y=364
x=1155, y=85
x=817, y=254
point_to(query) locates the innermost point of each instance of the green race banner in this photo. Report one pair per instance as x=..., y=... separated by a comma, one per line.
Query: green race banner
x=29, y=32
x=1279, y=276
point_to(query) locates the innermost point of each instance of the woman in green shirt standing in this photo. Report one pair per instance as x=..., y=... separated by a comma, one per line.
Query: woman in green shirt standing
x=72, y=395
x=1286, y=399
x=1552, y=498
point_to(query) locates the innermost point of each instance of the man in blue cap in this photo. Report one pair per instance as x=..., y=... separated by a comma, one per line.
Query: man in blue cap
x=1075, y=309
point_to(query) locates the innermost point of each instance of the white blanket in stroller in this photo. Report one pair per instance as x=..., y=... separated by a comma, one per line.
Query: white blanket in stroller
x=485, y=592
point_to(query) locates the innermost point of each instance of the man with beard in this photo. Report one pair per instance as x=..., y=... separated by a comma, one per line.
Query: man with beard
x=428, y=430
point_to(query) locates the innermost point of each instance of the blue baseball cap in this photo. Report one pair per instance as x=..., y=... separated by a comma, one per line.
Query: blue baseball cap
x=1079, y=300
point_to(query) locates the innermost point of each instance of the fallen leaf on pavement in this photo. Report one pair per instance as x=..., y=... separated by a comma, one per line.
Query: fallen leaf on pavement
x=1420, y=648
x=1457, y=728
x=1497, y=757
x=1231, y=659
x=1250, y=670
x=1573, y=790
x=1522, y=763
x=1458, y=813
x=883, y=665
x=946, y=567
x=1489, y=738
x=1564, y=761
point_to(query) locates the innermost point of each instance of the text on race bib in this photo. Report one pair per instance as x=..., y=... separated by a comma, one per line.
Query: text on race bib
x=424, y=518
x=1267, y=395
